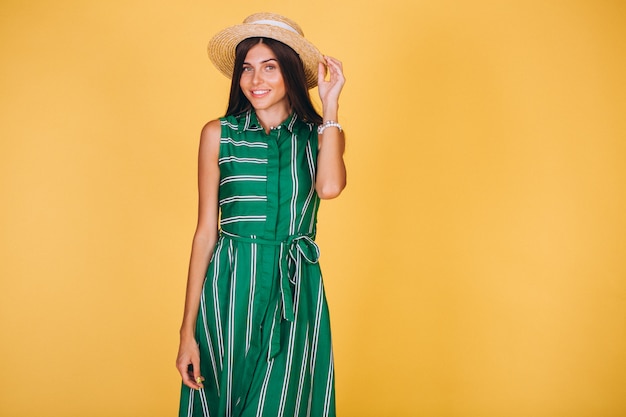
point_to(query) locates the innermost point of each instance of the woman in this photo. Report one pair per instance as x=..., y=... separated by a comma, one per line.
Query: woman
x=255, y=338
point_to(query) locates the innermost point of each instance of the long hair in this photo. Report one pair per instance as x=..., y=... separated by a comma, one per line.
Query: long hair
x=292, y=70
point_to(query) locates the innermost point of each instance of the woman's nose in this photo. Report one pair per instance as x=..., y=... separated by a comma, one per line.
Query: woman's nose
x=257, y=78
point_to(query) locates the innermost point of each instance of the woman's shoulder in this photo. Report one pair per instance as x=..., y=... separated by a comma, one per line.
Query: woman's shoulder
x=210, y=138
x=212, y=128
x=222, y=127
x=211, y=133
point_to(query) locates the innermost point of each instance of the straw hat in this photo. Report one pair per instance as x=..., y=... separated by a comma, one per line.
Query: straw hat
x=268, y=25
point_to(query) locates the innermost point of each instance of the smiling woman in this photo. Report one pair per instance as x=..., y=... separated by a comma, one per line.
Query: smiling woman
x=262, y=84
x=255, y=338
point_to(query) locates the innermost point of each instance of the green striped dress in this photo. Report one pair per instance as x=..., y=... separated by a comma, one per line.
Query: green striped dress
x=263, y=326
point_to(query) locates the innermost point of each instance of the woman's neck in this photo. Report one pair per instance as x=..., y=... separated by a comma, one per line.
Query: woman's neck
x=271, y=119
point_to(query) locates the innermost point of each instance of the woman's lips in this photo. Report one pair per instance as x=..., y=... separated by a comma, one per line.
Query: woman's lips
x=259, y=93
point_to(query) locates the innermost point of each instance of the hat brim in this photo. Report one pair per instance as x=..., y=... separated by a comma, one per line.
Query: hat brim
x=222, y=47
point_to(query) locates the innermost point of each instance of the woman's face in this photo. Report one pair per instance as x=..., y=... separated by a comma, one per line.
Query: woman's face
x=262, y=80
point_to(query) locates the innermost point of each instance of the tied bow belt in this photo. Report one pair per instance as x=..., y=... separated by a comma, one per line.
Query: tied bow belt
x=293, y=251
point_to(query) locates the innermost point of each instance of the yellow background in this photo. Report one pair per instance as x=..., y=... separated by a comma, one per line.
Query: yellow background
x=475, y=265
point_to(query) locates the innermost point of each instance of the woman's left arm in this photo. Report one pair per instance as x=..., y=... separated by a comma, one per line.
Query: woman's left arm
x=331, y=170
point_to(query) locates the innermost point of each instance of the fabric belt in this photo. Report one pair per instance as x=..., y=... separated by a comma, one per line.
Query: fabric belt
x=294, y=250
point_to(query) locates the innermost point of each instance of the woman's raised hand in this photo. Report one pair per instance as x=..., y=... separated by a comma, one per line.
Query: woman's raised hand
x=330, y=89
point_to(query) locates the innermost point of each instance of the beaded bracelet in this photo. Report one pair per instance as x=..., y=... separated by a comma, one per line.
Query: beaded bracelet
x=330, y=123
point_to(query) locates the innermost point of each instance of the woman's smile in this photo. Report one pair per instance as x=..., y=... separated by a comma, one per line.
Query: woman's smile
x=260, y=93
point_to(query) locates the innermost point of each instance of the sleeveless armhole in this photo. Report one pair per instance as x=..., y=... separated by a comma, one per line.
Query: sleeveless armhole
x=315, y=145
x=223, y=135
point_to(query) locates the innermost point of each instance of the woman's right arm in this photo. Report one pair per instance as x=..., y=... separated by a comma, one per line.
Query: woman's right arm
x=204, y=241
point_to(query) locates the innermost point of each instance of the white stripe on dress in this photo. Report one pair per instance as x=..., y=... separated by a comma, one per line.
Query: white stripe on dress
x=316, y=203
x=239, y=198
x=303, y=367
x=208, y=341
x=268, y=372
x=309, y=197
x=243, y=143
x=243, y=178
x=294, y=187
x=329, y=385
x=231, y=334
x=236, y=219
x=190, y=403
x=231, y=125
x=316, y=330
x=241, y=160
x=249, y=328
x=290, y=347
x=216, y=312
x=205, y=404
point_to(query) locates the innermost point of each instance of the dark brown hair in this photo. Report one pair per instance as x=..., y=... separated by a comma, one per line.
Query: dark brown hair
x=292, y=70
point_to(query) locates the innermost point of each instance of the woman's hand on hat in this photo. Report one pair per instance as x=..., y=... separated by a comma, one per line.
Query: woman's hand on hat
x=330, y=89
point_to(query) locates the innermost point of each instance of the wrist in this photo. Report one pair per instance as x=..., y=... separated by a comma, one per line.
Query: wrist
x=330, y=113
x=187, y=334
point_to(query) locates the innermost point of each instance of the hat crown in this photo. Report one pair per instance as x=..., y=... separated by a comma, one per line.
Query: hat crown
x=273, y=19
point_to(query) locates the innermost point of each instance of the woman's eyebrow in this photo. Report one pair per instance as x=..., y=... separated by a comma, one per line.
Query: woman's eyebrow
x=263, y=62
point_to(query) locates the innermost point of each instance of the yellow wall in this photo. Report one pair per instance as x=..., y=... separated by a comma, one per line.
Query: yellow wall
x=475, y=265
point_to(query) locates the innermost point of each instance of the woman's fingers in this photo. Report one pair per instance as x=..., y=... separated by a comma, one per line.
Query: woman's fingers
x=321, y=72
x=335, y=66
x=188, y=366
x=335, y=69
x=187, y=375
x=183, y=369
x=329, y=90
x=197, y=378
x=191, y=377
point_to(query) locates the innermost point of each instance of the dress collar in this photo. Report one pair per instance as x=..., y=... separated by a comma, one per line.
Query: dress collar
x=251, y=122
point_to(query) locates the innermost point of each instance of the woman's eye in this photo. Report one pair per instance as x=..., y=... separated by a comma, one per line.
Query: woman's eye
x=270, y=67
x=247, y=69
